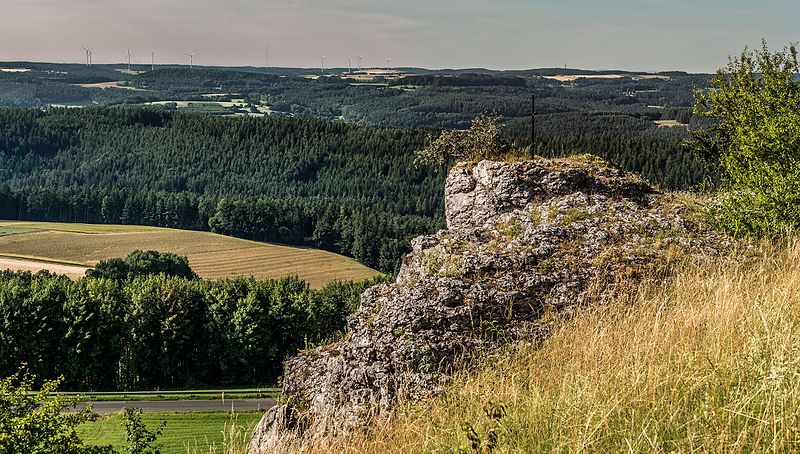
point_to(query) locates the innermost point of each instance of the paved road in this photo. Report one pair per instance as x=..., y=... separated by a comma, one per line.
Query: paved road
x=163, y=406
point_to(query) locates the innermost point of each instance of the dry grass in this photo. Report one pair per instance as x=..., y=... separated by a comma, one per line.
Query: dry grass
x=15, y=264
x=707, y=362
x=210, y=255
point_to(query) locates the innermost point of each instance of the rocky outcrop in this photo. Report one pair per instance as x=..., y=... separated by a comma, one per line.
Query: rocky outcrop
x=523, y=239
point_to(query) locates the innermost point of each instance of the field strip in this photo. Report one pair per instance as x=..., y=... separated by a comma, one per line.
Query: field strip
x=45, y=260
x=78, y=228
x=15, y=264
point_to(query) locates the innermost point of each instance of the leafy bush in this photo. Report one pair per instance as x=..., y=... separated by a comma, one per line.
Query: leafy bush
x=144, y=263
x=140, y=439
x=755, y=141
x=483, y=140
x=33, y=421
x=41, y=422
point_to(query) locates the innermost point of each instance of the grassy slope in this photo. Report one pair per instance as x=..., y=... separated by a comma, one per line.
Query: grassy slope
x=184, y=432
x=212, y=256
x=707, y=362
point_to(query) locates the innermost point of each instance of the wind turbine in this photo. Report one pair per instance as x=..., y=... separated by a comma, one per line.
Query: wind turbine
x=87, y=51
x=350, y=65
x=323, y=65
x=129, y=59
x=152, y=61
x=388, y=63
x=191, y=60
x=359, y=62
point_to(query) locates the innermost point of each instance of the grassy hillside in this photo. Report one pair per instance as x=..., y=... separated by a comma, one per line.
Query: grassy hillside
x=211, y=256
x=707, y=362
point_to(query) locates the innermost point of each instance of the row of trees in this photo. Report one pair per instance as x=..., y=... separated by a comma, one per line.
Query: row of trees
x=161, y=331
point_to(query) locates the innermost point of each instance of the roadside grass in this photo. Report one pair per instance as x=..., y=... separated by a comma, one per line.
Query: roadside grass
x=135, y=396
x=211, y=256
x=707, y=362
x=201, y=432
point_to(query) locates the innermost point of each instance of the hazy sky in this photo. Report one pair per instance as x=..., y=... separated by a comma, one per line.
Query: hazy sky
x=695, y=35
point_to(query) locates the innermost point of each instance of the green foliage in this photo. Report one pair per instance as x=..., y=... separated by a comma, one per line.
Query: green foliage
x=143, y=263
x=161, y=331
x=755, y=141
x=140, y=439
x=483, y=140
x=33, y=422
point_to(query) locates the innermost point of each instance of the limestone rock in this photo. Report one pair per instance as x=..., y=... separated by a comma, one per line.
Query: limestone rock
x=523, y=238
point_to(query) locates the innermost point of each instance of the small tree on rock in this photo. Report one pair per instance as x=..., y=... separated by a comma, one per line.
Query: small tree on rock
x=483, y=140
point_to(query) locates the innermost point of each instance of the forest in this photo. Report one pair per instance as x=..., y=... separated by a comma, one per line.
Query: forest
x=351, y=190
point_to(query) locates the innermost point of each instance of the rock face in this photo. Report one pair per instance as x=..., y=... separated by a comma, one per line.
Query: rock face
x=522, y=239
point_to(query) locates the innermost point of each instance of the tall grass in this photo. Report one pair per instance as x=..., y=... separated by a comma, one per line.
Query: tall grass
x=235, y=438
x=709, y=361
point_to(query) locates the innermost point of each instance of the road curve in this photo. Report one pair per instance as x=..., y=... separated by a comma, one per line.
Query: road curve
x=180, y=406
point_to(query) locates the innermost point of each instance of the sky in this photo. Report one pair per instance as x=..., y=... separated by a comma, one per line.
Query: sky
x=640, y=35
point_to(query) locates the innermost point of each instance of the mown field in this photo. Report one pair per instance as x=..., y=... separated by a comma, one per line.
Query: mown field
x=211, y=256
x=184, y=433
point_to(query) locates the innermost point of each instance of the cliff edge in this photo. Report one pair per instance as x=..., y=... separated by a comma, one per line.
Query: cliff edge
x=523, y=239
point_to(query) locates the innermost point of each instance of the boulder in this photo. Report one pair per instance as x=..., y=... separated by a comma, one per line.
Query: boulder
x=523, y=239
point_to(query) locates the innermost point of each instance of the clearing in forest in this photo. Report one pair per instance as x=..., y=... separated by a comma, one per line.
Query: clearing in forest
x=53, y=245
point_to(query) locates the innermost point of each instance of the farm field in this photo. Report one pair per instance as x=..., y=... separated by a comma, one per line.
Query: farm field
x=215, y=107
x=184, y=432
x=211, y=256
x=572, y=78
x=669, y=123
x=107, y=85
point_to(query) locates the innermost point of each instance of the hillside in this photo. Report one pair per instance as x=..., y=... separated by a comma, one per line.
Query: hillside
x=527, y=241
x=211, y=256
x=705, y=362
x=611, y=113
x=346, y=189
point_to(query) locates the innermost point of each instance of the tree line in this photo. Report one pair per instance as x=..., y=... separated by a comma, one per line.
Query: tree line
x=159, y=331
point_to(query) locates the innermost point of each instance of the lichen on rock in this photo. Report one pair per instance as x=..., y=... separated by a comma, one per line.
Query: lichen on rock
x=522, y=238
